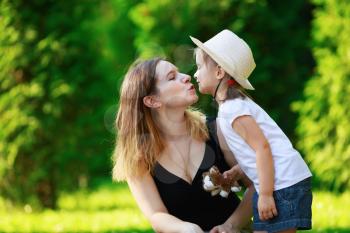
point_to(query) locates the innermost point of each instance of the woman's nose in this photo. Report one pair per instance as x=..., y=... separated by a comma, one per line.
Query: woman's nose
x=186, y=78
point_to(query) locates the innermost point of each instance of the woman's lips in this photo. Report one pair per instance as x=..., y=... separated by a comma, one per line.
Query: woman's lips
x=192, y=89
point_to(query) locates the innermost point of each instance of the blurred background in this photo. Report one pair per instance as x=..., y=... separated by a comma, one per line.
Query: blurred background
x=61, y=65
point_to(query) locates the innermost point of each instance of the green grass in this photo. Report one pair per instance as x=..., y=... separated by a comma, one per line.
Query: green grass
x=111, y=208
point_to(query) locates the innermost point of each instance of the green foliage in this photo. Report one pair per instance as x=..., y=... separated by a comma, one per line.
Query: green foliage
x=56, y=83
x=277, y=31
x=324, y=124
x=61, y=64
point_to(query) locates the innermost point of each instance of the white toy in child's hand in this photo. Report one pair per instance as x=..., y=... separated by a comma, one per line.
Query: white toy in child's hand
x=214, y=182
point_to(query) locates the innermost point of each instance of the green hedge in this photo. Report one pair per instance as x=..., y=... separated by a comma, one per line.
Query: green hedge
x=324, y=123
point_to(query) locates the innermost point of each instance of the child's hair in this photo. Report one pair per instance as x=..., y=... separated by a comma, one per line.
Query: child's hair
x=234, y=91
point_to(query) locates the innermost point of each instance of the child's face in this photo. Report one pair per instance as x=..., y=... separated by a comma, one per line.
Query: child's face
x=205, y=75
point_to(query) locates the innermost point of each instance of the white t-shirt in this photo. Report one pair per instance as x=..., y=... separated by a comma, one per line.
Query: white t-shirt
x=289, y=166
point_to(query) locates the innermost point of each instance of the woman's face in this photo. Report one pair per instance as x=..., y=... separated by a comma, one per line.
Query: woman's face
x=205, y=75
x=174, y=89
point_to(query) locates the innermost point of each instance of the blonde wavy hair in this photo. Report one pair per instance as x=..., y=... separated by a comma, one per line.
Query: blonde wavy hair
x=139, y=141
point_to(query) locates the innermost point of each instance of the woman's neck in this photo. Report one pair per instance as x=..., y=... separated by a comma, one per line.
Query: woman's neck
x=172, y=122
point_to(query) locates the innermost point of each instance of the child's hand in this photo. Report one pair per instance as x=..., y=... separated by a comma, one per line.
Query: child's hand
x=235, y=173
x=266, y=206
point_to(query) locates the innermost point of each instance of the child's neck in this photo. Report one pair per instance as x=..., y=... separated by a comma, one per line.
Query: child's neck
x=221, y=94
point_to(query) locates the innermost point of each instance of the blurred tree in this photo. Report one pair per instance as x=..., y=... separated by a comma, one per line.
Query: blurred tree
x=277, y=31
x=120, y=35
x=56, y=82
x=324, y=123
x=61, y=62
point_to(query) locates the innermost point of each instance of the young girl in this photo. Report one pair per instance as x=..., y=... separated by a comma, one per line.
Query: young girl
x=283, y=198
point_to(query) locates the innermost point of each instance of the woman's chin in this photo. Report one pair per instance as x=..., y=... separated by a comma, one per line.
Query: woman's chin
x=194, y=99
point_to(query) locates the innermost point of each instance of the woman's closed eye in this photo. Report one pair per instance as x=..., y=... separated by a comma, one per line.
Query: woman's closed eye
x=172, y=76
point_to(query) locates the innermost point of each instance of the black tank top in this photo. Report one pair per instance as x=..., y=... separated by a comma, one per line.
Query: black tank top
x=190, y=202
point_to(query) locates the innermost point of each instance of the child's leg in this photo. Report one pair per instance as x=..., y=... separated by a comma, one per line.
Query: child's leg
x=286, y=231
x=293, y=230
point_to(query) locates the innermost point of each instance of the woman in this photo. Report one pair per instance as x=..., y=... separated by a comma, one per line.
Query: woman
x=162, y=150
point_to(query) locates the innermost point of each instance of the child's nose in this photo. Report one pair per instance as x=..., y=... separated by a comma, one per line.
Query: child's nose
x=196, y=75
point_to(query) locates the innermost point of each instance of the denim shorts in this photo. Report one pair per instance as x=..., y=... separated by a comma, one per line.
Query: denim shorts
x=293, y=207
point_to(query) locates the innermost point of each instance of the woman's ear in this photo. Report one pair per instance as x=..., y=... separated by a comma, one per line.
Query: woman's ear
x=220, y=73
x=151, y=102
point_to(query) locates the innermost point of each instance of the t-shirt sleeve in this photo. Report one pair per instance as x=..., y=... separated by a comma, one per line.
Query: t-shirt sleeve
x=234, y=109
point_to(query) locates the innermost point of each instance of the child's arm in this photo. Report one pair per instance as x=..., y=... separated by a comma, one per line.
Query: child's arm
x=235, y=172
x=242, y=215
x=250, y=131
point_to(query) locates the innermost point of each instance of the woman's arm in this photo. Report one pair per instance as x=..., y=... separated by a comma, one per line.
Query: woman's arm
x=148, y=199
x=241, y=217
x=250, y=131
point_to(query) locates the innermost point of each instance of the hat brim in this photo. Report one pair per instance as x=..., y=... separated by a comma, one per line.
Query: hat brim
x=243, y=82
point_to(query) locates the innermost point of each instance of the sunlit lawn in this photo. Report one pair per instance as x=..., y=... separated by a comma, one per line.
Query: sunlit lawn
x=110, y=208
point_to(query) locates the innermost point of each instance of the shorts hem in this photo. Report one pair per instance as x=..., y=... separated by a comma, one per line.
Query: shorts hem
x=299, y=224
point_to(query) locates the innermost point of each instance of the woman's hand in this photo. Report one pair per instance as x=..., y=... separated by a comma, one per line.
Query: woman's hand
x=188, y=227
x=224, y=228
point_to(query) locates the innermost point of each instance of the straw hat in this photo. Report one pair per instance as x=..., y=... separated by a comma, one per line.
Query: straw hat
x=232, y=54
